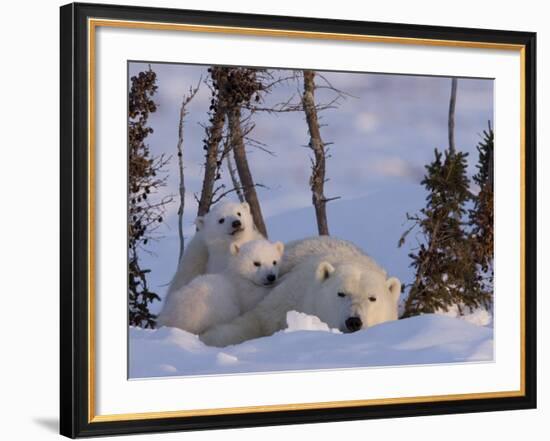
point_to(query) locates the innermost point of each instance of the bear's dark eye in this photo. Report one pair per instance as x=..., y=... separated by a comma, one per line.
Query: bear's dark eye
x=222, y=220
x=239, y=213
x=372, y=299
x=274, y=262
x=341, y=294
x=257, y=264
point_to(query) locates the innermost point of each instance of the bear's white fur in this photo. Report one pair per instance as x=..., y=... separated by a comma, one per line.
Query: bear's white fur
x=326, y=277
x=212, y=299
x=208, y=252
x=299, y=250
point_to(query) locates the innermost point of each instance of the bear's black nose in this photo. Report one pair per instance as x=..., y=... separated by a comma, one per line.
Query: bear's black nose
x=236, y=224
x=354, y=324
x=271, y=278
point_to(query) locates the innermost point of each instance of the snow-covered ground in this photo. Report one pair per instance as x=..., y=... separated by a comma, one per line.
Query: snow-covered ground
x=309, y=344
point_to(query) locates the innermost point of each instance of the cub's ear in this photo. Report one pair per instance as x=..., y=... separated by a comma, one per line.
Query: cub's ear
x=234, y=248
x=280, y=247
x=324, y=270
x=394, y=287
x=245, y=206
x=199, y=222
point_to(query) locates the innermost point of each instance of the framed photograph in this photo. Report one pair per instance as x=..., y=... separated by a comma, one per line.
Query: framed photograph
x=275, y=220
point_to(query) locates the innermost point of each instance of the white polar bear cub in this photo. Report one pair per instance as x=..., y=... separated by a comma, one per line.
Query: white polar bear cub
x=212, y=299
x=329, y=278
x=208, y=251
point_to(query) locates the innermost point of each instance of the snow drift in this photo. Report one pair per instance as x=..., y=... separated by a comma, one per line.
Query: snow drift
x=308, y=343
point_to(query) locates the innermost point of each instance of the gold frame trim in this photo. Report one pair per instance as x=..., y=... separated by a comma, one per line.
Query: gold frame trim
x=92, y=25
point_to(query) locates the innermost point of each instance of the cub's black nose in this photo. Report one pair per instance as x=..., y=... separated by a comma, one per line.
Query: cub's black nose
x=271, y=278
x=354, y=324
x=236, y=224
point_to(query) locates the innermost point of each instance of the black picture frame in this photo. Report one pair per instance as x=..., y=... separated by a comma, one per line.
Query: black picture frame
x=74, y=306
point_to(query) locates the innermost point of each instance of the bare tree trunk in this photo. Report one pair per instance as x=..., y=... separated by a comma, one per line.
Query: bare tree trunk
x=247, y=183
x=182, y=181
x=183, y=113
x=232, y=172
x=211, y=161
x=317, y=179
x=452, y=104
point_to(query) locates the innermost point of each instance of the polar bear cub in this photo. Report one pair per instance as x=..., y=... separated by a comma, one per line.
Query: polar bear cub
x=213, y=299
x=208, y=252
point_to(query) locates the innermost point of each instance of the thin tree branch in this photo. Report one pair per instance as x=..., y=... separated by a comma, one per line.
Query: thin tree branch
x=183, y=112
x=452, y=105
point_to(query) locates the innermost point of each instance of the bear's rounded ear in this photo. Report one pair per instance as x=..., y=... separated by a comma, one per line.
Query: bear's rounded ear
x=234, y=248
x=280, y=247
x=394, y=287
x=199, y=222
x=324, y=270
x=245, y=206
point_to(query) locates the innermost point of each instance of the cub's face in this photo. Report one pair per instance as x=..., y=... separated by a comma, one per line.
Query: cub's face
x=228, y=219
x=257, y=261
x=351, y=298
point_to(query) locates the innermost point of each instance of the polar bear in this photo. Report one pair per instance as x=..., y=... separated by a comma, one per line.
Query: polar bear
x=326, y=277
x=211, y=299
x=298, y=250
x=208, y=251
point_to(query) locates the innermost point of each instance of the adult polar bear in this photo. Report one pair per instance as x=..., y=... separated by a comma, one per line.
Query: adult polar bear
x=326, y=277
x=209, y=250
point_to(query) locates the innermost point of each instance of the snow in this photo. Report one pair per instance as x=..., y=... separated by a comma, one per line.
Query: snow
x=479, y=316
x=298, y=321
x=310, y=344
